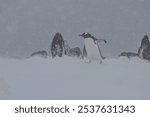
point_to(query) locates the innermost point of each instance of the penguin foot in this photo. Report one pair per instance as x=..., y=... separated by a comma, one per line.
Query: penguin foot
x=88, y=61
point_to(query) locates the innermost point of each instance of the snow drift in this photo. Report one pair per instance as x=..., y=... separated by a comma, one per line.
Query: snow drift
x=68, y=78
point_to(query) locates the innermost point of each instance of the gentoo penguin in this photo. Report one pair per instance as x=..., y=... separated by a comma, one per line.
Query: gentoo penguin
x=129, y=54
x=57, y=46
x=92, y=48
x=42, y=54
x=144, y=50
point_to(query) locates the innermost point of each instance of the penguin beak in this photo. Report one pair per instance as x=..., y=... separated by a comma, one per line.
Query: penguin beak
x=80, y=35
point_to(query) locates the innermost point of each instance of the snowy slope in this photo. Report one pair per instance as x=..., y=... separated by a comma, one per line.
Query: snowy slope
x=68, y=78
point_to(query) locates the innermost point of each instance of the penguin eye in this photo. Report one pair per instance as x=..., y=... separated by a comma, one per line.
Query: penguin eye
x=85, y=33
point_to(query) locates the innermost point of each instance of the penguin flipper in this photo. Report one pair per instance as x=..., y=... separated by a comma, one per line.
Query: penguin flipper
x=100, y=40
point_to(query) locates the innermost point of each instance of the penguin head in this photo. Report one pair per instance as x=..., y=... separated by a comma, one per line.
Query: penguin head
x=86, y=35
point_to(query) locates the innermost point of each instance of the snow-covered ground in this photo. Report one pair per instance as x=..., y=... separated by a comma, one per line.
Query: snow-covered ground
x=68, y=78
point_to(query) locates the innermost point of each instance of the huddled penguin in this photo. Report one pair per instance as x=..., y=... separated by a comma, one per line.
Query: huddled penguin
x=144, y=50
x=57, y=46
x=42, y=54
x=92, y=47
x=75, y=52
x=72, y=52
x=129, y=54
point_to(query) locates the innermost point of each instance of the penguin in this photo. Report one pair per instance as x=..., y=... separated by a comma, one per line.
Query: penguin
x=57, y=45
x=42, y=54
x=92, y=48
x=144, y=50
x=129, y=54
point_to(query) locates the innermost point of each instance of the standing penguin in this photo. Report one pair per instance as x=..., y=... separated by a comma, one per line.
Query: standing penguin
x=92, y=48
x=144, y=50
x=57, y=46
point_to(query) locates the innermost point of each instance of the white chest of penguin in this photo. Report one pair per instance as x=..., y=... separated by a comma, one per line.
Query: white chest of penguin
x=92, y=49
